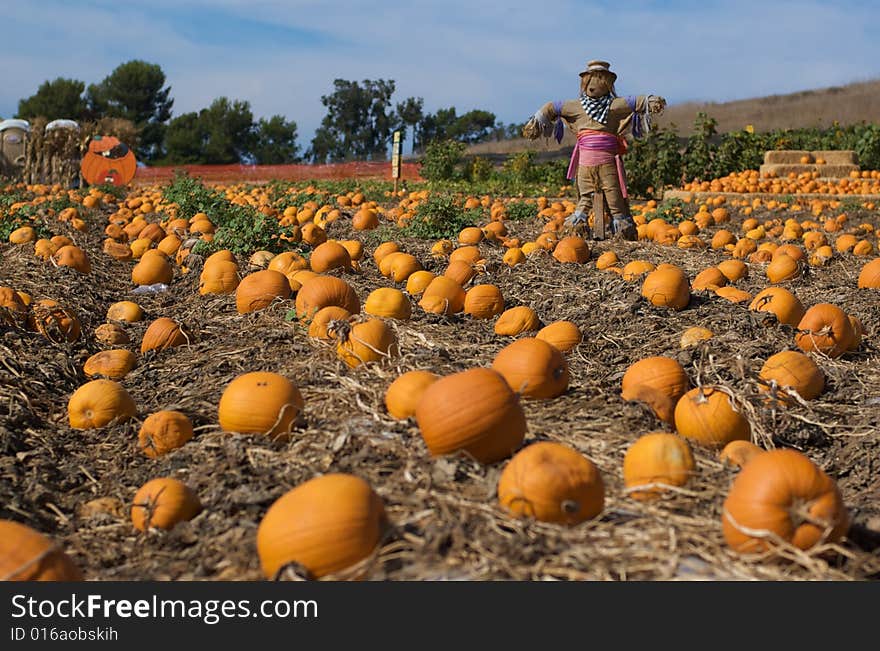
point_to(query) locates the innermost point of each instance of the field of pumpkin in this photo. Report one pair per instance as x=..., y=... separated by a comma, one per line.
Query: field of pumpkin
x=326, y=392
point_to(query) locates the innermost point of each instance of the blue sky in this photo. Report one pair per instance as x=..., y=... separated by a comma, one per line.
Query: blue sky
x=506, y=57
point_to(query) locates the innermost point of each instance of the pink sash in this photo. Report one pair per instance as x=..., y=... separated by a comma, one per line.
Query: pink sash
x=598, y=148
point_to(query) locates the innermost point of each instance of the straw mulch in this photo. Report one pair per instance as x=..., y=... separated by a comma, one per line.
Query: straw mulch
x=446, y=523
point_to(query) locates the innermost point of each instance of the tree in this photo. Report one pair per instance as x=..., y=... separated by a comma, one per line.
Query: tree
x=358, y=124
x=275, y=141
x=134, y=90
x=61, y=98
x=435, y=127
x=223, y=133
x=411, y=113
x=473, y=126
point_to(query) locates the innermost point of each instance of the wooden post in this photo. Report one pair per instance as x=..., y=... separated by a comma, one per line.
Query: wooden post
x=599, y=215
x=396, y=147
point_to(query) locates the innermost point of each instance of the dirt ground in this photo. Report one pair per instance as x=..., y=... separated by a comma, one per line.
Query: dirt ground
x=446, y=522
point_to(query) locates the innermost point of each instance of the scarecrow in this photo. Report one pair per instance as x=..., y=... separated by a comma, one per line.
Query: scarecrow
x=600, y=119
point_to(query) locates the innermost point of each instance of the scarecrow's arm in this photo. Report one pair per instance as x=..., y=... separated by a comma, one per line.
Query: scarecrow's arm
x=548, y=120
x=623, y=106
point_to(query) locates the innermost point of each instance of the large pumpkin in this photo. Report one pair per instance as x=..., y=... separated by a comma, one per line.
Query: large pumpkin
x=793, y=370
x=324, y=525
x=473, y=411
x=780, y=495
x=362, y=341
x=322, y=291
x=28, y=555
x=657, y=381
x=707, y=416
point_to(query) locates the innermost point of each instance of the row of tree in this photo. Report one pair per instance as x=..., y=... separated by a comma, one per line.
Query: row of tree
x=358, y=125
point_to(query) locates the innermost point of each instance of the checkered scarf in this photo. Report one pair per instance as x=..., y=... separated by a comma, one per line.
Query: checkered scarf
x=597, y=107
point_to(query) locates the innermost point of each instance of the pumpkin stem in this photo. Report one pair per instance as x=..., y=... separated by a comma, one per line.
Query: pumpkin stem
x=339, y=329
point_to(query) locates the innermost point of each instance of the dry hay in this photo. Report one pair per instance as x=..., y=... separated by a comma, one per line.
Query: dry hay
x=446, y=521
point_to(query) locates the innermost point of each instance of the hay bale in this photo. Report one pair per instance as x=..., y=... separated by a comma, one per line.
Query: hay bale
x=824, y=171
x=838, y=157
x=785, y=156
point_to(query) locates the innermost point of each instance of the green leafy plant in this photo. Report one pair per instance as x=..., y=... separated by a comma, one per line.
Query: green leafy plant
x=441, y=216
x=521, y=211
x=442, y=161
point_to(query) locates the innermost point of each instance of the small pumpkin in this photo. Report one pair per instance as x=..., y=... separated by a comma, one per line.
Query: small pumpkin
x=792, y=370
x=869, y=276
x=28, y=555
x=656, y=458
x=562, y=335
x=418, y=281
x=100, y=403
x=260, y=402
x=824, y=328
x=460, y=271
x=517, y=320
x=151, y=270
x=388, y=302
x=667, y=287
x=127, y=311
x=359, y=342
x=111, y=334
x=324, y=525
x=606, y=260
x=657, y=381
x=710, y=279
x=329, y=255
x=164, y=431
x=384, y=249
x=73, y=257
x=164, y=333
x=780, y=306
x=551, y=482
x=483, y=301
x=533, y=368
x=634, y=270
x=403, y=395
x=162, y=503
x=733, y=294
x=695, y=335
x=782, y=495
x=707, y=416
x=783, y=267
x=443, y=296
x=572, y=249
x=259, y=290
x=322, y=319
x=734, y=270
x=474, y=411
x=738, y=453
x=322, y=291
x=113, y=364
x=219, y=277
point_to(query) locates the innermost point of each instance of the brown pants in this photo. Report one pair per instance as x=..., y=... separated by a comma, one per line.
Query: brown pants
x=591, y=178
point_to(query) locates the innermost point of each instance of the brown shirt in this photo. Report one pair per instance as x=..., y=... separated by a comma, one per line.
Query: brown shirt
x=576, y=118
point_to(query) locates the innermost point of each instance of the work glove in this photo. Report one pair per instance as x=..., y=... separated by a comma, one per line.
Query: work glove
x=656, y=104
x=577, y=218
x=624, y=226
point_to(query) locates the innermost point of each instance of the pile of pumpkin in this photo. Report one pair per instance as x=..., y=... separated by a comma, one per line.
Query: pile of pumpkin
x=751, y=181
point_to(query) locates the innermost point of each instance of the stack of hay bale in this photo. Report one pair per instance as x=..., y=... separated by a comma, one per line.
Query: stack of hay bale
x=828, y=164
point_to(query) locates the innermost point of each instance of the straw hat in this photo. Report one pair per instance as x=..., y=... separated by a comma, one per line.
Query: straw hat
x=599, y=66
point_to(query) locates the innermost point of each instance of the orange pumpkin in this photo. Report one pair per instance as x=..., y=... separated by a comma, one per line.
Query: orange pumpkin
x=706, y=415
x=113, y=364
x=780, y=306
x=388, y=302
x=108, y=161
x=73, y=257
x=780, y=495
x=791, y=370
x=667, y=287
x=322, y=291
x=656, y=458
x=100, y=403
x=474, y=411
x=359, y=342
x=403, y=395
x=572, y=249
x=533, y=368
x=657, y=381
x=443, y=295
x=551, y=482
x=322, y=319
x=259, y=290
x=324, y=525
x=517, y=320
x=164, y=431
x=824, y=328
x=163, y=503
x=483, y=301
x=260, y=403
x=28, y=555
x=562, y=335
x=738, y=453
x=164, y=333
x=329, y=255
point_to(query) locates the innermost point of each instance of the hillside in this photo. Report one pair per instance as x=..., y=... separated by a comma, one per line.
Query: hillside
x=848, y=104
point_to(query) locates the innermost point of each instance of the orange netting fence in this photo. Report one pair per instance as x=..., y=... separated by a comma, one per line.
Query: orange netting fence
x=262, y=173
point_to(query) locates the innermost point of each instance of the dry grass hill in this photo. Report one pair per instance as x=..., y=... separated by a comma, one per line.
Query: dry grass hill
x=848, y=104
